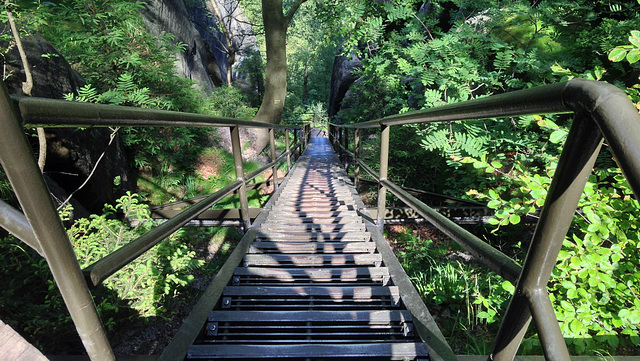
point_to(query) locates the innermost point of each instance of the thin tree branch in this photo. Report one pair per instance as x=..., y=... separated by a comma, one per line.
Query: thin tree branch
x=292, y=11
x=95, y=166
x=27, y=85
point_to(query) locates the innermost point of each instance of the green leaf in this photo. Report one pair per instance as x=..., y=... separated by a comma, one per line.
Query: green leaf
x=633, y=56
x=576, y=327
x=617, y=54
x=634, y=38
x=514, y=219
x=557, y=136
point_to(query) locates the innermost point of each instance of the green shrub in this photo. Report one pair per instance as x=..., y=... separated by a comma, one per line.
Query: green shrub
x=146, y=284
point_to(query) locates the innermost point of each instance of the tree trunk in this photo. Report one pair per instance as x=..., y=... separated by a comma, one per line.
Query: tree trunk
x=275, y=90
x=305, y=81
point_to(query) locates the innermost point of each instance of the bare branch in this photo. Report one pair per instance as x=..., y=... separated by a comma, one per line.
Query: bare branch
x=95, y=166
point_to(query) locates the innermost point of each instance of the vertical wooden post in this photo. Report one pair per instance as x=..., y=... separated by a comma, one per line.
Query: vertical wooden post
x=26, y=179
x=384, y=166
x=287, y=149
x=356, y=153
x=242, y=192
x=272, y=150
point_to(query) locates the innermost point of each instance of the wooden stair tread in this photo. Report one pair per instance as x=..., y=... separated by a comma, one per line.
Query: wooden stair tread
x=394, y=351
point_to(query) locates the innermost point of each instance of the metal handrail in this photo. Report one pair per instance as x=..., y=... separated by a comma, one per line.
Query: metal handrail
x=110, y=264
x=40, y=226
x=601, y=111
x=43, y=112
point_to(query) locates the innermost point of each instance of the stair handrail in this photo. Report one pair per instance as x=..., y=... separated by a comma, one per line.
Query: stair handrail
x=40, y=226
x=601, y=111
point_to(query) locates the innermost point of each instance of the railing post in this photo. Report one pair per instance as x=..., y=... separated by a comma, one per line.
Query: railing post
x=356, y=153
x=384, y=166
x=338, y=142
x=331, y=137
x=287, y=149
x=242, y=191
x=295, y=141
x=22, y=171
x=576, y=163
x=346, y=148
x=272, y=151
x=303, y=138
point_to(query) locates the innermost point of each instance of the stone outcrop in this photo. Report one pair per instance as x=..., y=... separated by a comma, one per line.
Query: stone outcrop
x=341, y=79
x=244, y=40
x=197, y=62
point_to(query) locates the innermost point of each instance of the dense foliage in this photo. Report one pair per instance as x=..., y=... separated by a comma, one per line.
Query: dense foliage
x=417, y=56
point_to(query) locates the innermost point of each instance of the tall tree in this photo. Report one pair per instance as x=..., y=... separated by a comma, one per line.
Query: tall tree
x=276, y=23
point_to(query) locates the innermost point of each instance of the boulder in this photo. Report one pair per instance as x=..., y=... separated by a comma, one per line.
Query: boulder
x=52, y=75
x=71, y=153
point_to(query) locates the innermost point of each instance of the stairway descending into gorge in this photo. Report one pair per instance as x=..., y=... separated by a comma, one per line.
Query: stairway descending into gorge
x=313, y=284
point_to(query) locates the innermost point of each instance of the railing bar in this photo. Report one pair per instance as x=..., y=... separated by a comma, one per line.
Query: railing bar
x=177, y=348
x=384, y=167
x=36, y=112
x=368, y=170
x=541, y=100
x=239, y=167
x=551, y=339
x=15, y=222
x=574, y=167
x=272, y=154
x=484, y=253
x=105, y=267
x=28, y=183
x=441, y=197
x=251, y=176
x=356, y=157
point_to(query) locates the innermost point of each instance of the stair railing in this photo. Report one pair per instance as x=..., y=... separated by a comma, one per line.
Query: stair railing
x=40, y=226
x=600, y=111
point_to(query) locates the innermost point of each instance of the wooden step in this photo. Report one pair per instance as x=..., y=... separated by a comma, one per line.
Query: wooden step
x=310, y=227
x=264, y=275
x=312, y=260
x=304, y=236
x=304, y=297
x=313, y=214
x=298, y=247
x=391, y=351
x=376, y=317
x=334, y=293
x=312, y=220
x=310, y=208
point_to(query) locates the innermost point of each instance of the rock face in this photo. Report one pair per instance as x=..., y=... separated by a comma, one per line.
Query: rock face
x=244, y=41
x=196, y=62
x=341, y=79
x=71, y=153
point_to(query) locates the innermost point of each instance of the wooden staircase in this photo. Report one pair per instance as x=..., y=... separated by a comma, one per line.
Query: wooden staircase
x=313, y=285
